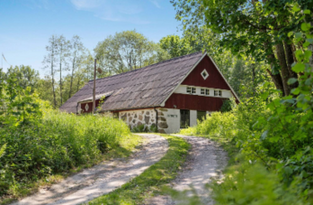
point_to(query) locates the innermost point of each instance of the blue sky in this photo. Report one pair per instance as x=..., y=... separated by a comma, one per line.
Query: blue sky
x=27, y=25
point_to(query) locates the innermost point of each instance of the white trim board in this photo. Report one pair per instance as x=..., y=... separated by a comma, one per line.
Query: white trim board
x=205, y=54
x=163, y=103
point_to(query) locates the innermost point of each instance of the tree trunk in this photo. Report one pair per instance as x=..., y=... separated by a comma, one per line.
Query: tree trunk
x=253, y=79
x=280, y=51
x=52, y=72
x=70, y=93
x=290, y=61
x=276, y=78
x=61, y=79
x=311, y=58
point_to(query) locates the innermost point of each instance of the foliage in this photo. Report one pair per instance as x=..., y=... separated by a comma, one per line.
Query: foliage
x=25, y=75
x=140, y=128
x=127, y=50
x=257, y=29
x=152, y=180
x=176, y=46
x=227, y=105
x=40, y=142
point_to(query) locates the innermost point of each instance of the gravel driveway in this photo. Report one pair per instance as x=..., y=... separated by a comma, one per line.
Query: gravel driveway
x=205, y=160
x=101, y=179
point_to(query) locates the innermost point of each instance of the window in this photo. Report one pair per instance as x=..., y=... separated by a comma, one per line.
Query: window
x=202, y=91
x=204, y=74
x=116, y=115
x=184, y=118
x=191, y=90
x=217, y=93
x=207, y=92
x=201, y=115
x=188, y=89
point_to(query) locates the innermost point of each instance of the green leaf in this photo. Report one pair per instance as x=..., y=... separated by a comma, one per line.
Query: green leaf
x=310, y=40
x=307, y=55
x=290, y=33
x=298, y=35
x=292, y=81
x=296, y=8
x=307, y=11
x=299, y=67
x=305, y=26
x=264, y=95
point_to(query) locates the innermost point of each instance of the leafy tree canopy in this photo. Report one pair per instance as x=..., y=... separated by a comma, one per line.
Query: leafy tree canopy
x=127, y=50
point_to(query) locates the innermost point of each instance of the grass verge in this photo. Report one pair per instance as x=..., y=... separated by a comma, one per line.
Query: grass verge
x=151, y=181
x=125, y=148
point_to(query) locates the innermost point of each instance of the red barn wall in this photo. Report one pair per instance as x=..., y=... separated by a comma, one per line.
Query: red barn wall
x=201, y=103
x=215, y=80
x=194, y=102
x=83, y=106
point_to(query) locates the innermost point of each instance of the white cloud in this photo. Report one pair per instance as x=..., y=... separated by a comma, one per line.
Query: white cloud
x=38, y=4
x=86, y=4
x=155, y=3
x=113, y=10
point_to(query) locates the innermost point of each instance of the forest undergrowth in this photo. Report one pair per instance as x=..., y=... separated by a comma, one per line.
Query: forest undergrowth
x=40, y=146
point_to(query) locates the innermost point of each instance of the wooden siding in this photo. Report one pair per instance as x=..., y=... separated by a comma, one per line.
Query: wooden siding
x=83, y=106
x=215, y=80
x=194, y=102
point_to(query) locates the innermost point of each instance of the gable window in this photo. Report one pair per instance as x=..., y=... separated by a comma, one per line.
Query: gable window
x=217, y=93
x=202, y=91
x=207, y=92
x=204, y=74
x=191, y=90
x=188, y=89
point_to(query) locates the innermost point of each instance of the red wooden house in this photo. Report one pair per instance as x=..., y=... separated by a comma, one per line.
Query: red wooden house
x=170, y=95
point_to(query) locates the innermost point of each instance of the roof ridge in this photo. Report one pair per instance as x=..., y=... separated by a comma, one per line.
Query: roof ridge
x=176, y=58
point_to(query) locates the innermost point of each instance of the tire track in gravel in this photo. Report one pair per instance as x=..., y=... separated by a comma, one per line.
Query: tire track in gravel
x=101, y=179
x=205, y=160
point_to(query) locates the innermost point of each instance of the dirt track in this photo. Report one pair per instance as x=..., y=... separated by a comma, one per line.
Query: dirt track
x=205, y=160
x=101, y=179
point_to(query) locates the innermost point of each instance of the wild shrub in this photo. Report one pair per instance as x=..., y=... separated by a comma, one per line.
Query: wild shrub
x=274, y=136
x=40, y=141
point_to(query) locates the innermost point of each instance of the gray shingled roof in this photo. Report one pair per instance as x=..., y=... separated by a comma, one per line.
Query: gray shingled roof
x=141, y=88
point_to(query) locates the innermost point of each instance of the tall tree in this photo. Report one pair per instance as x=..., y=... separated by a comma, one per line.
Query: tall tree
x=50, y=62
x=253, y=28
x=125, y=51
x=176, y=46
x=77, y=53
x=25, y=75
x=63, y=47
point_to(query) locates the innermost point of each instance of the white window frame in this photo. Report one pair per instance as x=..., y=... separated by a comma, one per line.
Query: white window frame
x=188, y=90
x=206, y=74
x=202, y=91
x=193, y=90
x=207, y=91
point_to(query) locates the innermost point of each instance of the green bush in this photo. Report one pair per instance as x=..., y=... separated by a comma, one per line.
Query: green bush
x=40, y=141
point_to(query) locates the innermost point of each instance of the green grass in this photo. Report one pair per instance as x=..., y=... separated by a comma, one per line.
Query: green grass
x=151, y=181
x=57, y=146
x=227, y=144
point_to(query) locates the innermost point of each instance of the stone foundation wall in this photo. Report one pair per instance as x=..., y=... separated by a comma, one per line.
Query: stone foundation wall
x=138, y=117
